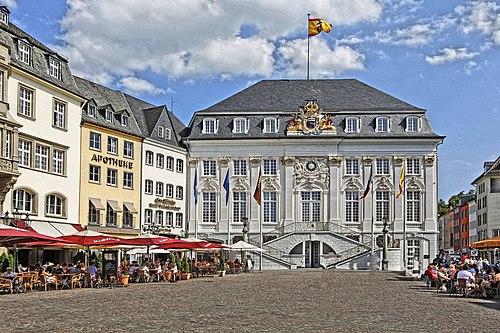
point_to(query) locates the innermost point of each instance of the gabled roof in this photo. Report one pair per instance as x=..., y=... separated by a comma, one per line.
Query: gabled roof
x=331, y=95
x=491, y=169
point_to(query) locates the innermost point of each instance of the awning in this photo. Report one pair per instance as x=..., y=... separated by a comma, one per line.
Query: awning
x=55, y=229
x=114, y=206
x=130, y=207
x=97, y=203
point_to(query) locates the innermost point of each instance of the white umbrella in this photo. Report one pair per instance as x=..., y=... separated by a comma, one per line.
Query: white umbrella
x=144, y=250
x=244, y=246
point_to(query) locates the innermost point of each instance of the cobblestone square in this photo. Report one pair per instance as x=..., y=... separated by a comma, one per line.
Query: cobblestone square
x=277, y=301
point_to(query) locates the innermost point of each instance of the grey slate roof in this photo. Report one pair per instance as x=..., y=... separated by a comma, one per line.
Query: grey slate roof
x=106, y=98
x=149, y=117
x=281, y=98
x=491, y=169
x=39, y=67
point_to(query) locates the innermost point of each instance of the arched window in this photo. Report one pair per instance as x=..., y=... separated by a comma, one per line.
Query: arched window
x=23, y=201
x=54, y=205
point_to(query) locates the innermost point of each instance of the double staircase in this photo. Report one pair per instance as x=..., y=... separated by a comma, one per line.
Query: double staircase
x=359, y=244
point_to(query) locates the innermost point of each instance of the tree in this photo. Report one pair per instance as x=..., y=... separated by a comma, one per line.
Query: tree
x=443, y=207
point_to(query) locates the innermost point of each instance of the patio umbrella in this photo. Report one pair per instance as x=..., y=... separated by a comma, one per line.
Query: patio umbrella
x=173, y=243
x=144, y=251
x=10, y=236
x=490, y=243
x=90, y=238
x=146, y=240
x=244, y=246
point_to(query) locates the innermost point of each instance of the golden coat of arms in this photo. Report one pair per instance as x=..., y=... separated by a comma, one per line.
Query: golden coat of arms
x=310, y=120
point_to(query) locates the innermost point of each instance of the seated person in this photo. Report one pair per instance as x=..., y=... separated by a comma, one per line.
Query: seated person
x=173, y=269
x=13, y=276
x=443, y=277
x=48, y=276
x=467, y=275
x=93, y=270
x=144, y=268
x=493, y=283
x=58, y=269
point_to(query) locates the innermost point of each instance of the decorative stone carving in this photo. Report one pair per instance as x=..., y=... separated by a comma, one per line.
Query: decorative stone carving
x=223, y=161
x=368, y=159
x=6, y=184
x=5, y=165
x=398, y=160
x=310, y=120
x=311, y=170
x=192, y=162
x=429, y=159
x=335, y=160
x=288, y=160
x=255, y=160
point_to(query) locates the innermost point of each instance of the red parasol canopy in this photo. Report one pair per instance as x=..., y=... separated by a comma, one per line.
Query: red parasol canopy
x=10, y=236
x=91, y=238
x=489, y=243
x=146, y=240
x=173, y=244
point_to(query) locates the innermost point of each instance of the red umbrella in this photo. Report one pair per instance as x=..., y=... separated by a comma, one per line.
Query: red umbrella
x=10, y=236
x=45, y=243
x=91, y=238
x=146, y=240
x=173, y=243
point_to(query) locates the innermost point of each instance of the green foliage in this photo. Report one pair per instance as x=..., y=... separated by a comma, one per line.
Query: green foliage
x=6, y=260
x=185, y=266
x=97, y=259
x=453, y=202
x=80, y=256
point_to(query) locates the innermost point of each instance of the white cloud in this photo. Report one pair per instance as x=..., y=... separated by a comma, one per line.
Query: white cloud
x=135, y=85
x=450, y=55
x=184, y=38
x=415, y=35
x=471, y=67
x=324, y=61
x=482, y=16
x=9, y=3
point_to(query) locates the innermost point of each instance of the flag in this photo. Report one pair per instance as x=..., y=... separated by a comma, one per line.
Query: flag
x=367, y=189
x=256, y=194
x=195, y=186
x=226, y=186
x=316, y=25
x=401, y=182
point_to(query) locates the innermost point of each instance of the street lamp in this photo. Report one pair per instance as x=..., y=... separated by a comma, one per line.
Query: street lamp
x=16, y=220
x=245, y=228
x=385, y=261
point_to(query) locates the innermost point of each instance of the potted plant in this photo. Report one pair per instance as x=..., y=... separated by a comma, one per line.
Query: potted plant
x=124, y=277
x=185, y=269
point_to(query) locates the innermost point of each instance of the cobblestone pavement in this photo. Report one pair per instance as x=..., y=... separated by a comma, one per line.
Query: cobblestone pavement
x=279, y=301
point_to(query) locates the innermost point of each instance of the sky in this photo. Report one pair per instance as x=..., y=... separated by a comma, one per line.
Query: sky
x=442, y=56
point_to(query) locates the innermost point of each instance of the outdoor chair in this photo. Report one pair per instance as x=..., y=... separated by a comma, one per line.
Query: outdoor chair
x=77, y=280
x=6, y=284
x=230, y=266
x=493, y=290
x=141, y=276
x=462, y=286
x=27, y=280
x=45, y=283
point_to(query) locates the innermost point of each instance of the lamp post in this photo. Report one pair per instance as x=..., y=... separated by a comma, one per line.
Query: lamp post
x=385, y=261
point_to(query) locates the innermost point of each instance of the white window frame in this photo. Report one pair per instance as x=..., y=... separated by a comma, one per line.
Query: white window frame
x=169, y=219
x=270, y=167
x=94, y=174
x=128, y=149
x=240, y=167
x=351, y=166
x=413, y=124
x=24, y=152
x=159, y=187
x=179, y=193
x=352, y=207
x=382, y=124
x=210, y=126
x=209, y=207
x=25, y=52
x=270, y=125
x=124, y=120
x=91, y=110
x=58, y=161
x=179, y=165
x=310, y=202
x=128, y=180
x=159, y=217
x=112, y=177
x=413, y=166
x=148, y=216
x=169, y=190
x=382, y=205
x=148, y=186
x=54, y=205
x=382, y=166
x=413, y=206
x=352, y=125
x=59, y=117
x=23, y=200
x=150, y=157
x=169, y=163
x=270, y=206
x=42, y=154
x=161, y=131
x=95, y=141
x=239, y=205
x=240, y=125
x=160, y=161
x=54, y=68
x=179, y=220
x=112, y=145
x=168, y=134
x=209, y=168
x=26, y=101
x=108, y=116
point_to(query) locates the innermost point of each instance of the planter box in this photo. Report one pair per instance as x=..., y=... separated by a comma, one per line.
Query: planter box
x=222, y=273
x=185, y=276
x=124, y=280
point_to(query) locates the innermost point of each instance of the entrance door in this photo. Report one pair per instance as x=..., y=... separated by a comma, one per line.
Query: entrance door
x=307, y=254
x=312, y=254
x=315, y=253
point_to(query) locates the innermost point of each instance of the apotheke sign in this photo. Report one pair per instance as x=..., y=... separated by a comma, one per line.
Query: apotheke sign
x=112, y=161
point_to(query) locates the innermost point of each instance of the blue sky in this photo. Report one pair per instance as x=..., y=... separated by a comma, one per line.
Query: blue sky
x=442, y=56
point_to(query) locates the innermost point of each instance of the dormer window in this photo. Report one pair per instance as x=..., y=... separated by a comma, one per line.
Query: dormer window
x=240, y=125
x=168, y=134
x=24, y=52
x=4, y=15
x=108, y=115
x=124, y=120
x=413, y=124
x=54, y=68
x=91, y=110
x=382, y=125
x=352, y=125
x=209, y=126
x=161, y=131
x=270, y=125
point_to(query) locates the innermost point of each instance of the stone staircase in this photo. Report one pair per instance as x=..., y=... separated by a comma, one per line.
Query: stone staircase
x=359, y=247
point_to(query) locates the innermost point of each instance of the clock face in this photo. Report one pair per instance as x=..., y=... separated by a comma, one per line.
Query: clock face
x=311, y=166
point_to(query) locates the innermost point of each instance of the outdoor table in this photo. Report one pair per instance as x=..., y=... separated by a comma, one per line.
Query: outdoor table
x=65, y=280
x=16, y=287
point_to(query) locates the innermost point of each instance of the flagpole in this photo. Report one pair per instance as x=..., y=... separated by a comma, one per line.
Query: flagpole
x=308, y=16
x=404, y=223
x=196, y=201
